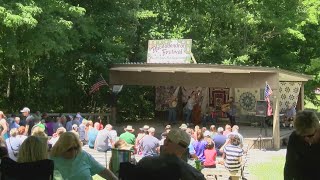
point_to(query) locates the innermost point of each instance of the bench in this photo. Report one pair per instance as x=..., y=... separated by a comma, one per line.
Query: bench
x=220, y=171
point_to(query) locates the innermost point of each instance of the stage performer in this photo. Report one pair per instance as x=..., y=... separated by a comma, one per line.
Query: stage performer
x=231, y=114
x=172, y=110
x=189, y=108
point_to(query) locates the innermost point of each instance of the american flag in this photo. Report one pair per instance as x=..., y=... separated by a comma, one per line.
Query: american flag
x=96, y=87
x=267, y=93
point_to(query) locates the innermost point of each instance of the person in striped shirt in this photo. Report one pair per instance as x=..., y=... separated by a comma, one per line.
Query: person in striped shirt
x=232, y=154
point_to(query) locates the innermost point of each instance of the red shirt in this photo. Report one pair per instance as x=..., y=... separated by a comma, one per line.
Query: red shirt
x=210, y=155
x=100, y=126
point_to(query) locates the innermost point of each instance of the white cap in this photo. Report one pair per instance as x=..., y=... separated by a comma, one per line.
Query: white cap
x=151, y=130
x=25, y=109
x=206, y=133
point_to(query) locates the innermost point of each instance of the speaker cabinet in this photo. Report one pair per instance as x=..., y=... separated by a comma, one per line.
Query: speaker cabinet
x=261, y=108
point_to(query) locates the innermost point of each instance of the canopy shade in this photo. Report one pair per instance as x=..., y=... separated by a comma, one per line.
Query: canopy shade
x=204, y=75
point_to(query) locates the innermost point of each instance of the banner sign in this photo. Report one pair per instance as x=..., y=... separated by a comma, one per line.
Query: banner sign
x=169, y=51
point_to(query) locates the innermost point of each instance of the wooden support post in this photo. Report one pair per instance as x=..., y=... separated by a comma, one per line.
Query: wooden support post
x=276, y=123
x=302, y=96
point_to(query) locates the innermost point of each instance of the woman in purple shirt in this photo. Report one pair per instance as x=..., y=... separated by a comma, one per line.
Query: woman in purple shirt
x=200, y=145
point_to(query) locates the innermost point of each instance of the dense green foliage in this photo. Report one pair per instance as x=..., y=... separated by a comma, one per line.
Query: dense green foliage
x=52, y=51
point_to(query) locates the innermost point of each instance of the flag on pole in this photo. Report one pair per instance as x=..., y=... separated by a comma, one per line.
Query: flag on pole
x=96, y=87
x=267, y=93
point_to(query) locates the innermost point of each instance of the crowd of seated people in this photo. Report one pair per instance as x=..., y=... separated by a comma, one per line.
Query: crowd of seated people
x=61, y=141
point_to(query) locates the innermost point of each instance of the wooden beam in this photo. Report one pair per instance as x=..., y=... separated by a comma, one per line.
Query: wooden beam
x=302, y=95
x=276, y=123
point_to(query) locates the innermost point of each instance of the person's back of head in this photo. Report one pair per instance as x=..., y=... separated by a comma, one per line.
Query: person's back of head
x=234, y=139
x=306, y=122
x=13, y=132
x=235, y=128
x=220, y=130
x=213, y=128
x=199, y=135
x=33, y=149
x=228, y=127
x=21, y=130
x=61, y=130
x=64, y=142
x=108, y=127
x=210, y=143
x=96, y=125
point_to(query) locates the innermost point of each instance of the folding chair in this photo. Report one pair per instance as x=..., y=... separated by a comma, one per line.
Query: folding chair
x=38, y=170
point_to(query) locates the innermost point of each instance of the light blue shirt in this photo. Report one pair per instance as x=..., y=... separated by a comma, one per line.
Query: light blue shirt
x=83, y=167
x=92, y=135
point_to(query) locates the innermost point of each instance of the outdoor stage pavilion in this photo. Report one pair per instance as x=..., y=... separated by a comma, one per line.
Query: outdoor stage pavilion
x=212, y=75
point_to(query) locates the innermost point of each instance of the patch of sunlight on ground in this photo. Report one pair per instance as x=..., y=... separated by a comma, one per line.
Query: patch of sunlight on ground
x=270, y=170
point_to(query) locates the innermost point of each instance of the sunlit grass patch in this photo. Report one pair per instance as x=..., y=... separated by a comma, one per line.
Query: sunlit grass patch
x=268, y=170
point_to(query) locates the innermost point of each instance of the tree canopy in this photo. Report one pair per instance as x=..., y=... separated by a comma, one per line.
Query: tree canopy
x=52, y=51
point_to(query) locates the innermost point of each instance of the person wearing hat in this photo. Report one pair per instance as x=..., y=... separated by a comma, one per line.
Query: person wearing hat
x=128, y=136
x=169, y=164
x=143, y=132
x=149, y=144
x=183, y=127
x=29, y=121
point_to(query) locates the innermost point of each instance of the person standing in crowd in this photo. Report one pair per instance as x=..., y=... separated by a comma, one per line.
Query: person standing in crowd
x=73, y=163
x=92, y=135
x=49, y=126
x=5, y=127
x=104, y=140
x=63, y=120
x=143, y=132
x=82, y=131
x=169, y=164
x=150, y=144
x=37, y=123
x=303, y=148
x=231, y=114
x=219, y=140
x=128, y=136
x=28, y=123
x=13, y=144
x=57, y=124
x=79, y=117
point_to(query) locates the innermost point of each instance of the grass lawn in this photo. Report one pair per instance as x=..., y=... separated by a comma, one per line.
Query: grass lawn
x=268, y=170
x=97, y=177
x=310, y=105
